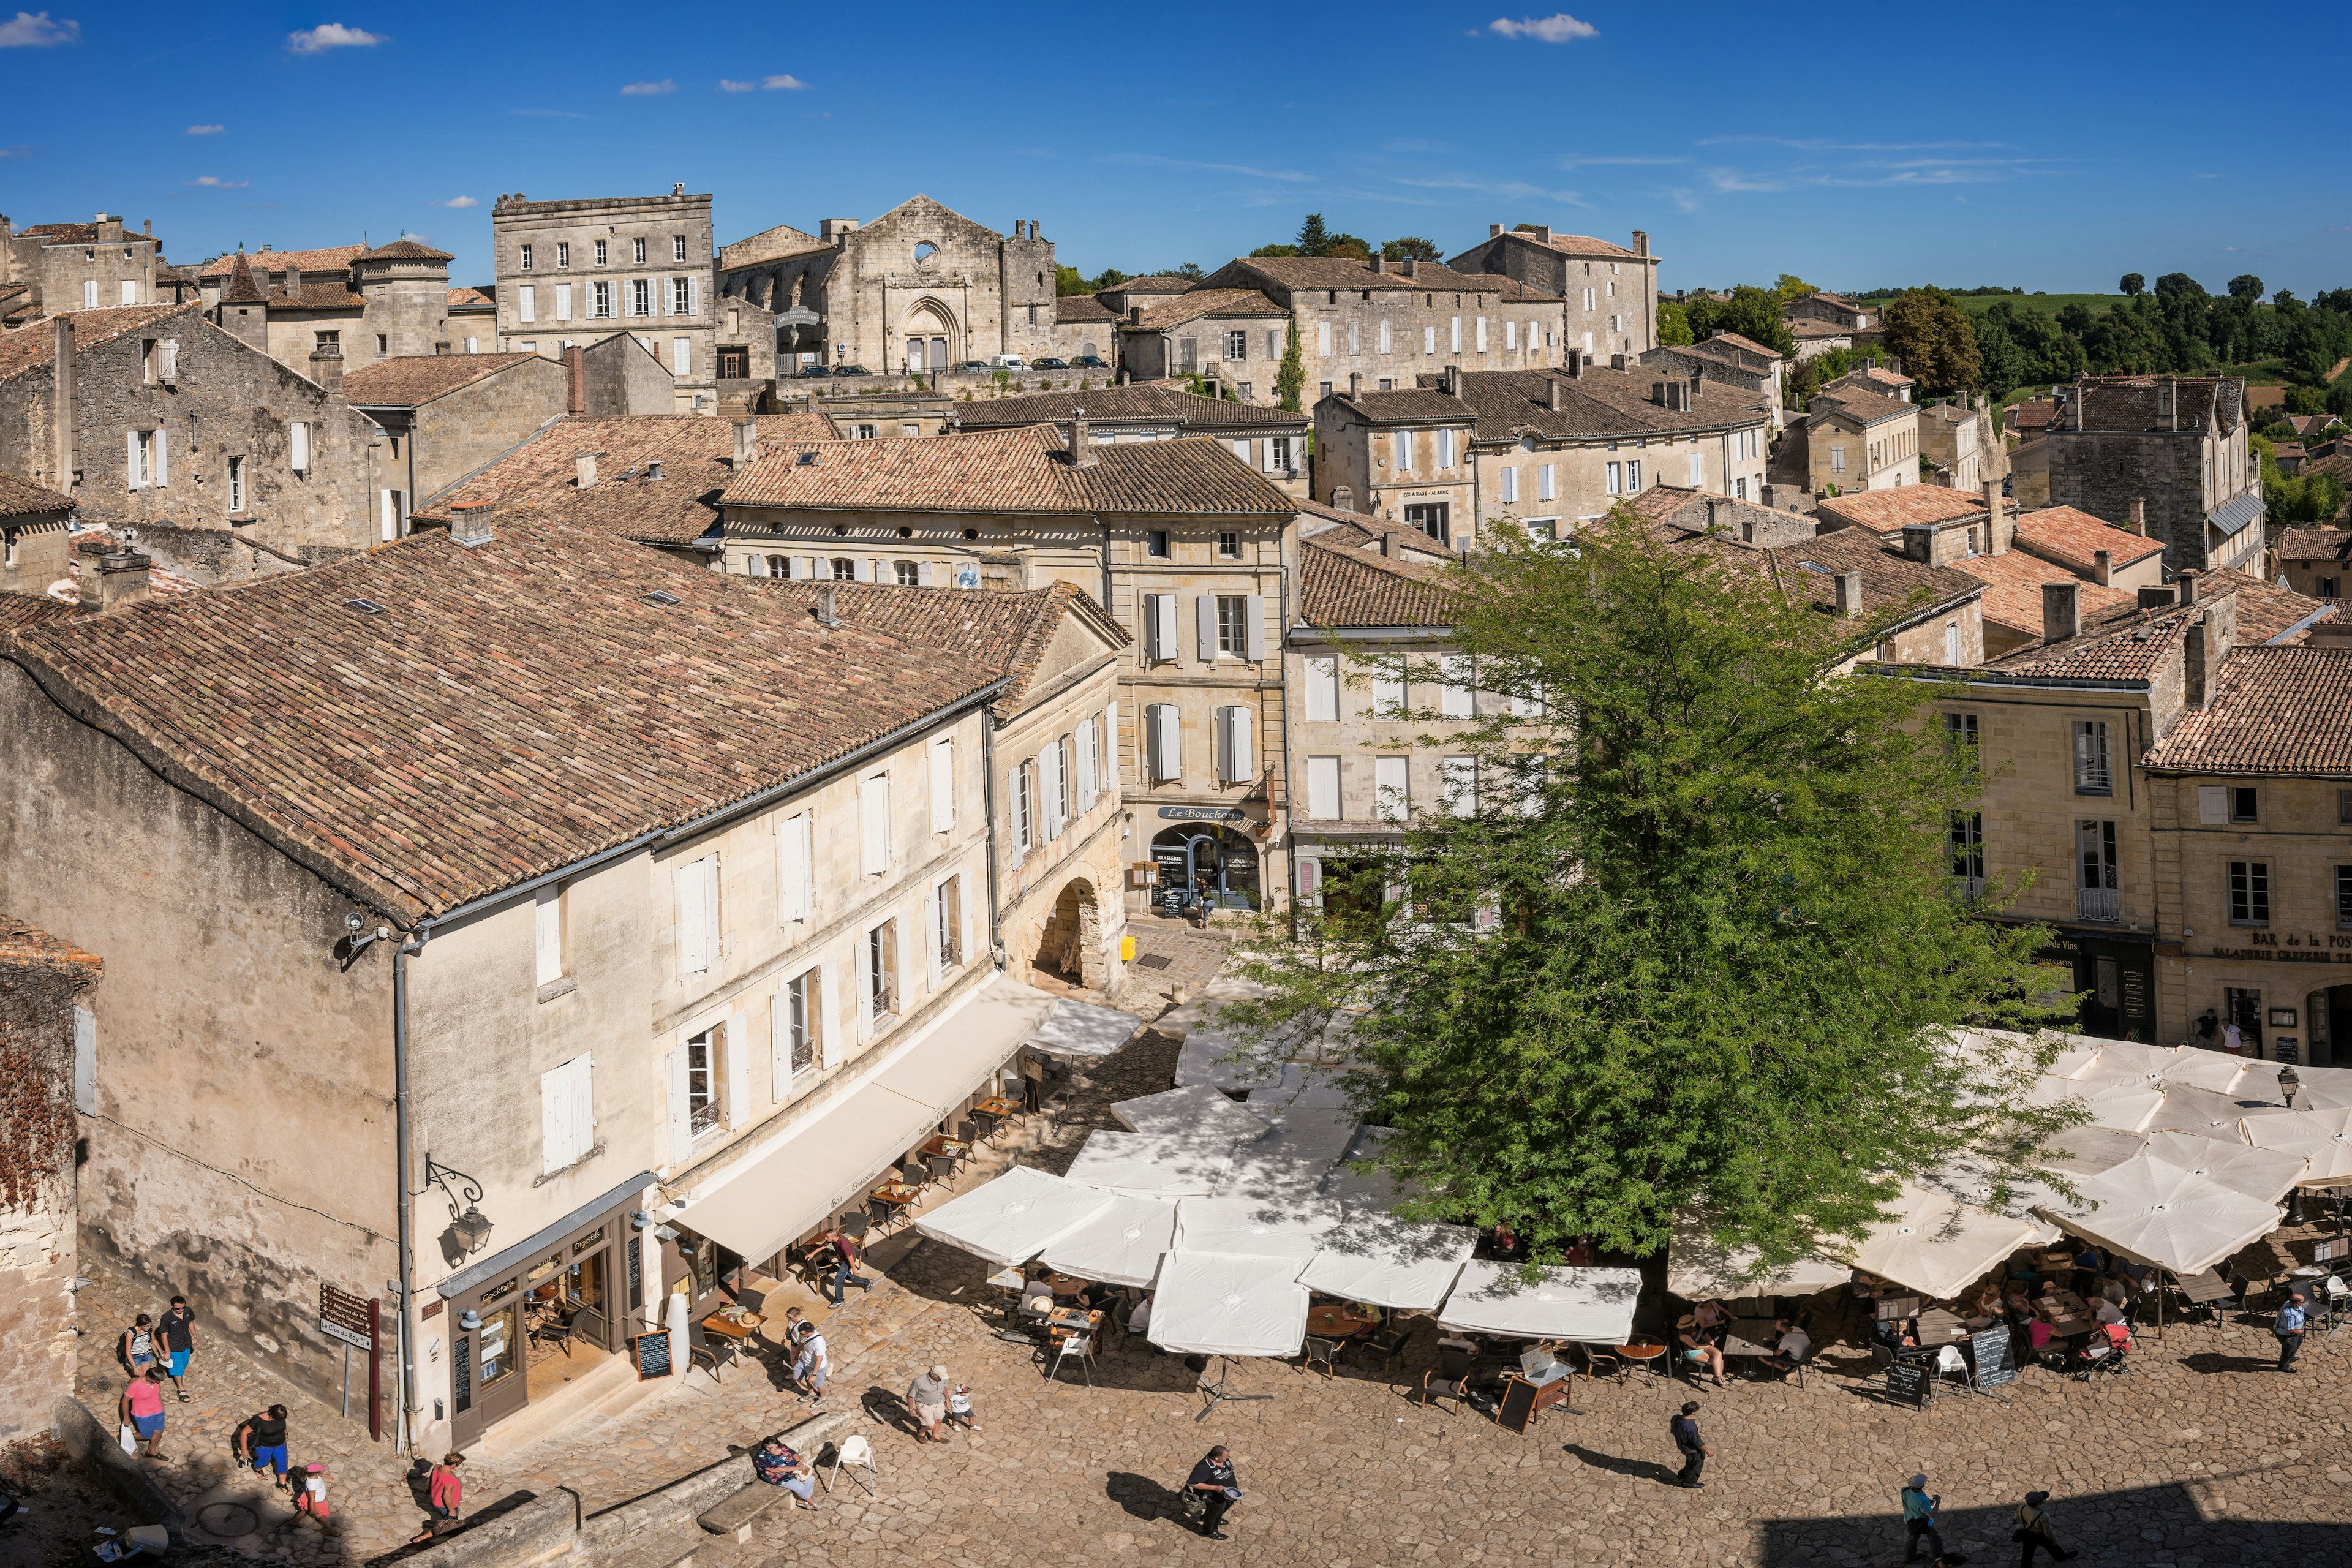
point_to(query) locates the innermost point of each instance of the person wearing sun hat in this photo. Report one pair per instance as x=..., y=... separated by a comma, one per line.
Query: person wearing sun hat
x=1919, y=1518
x=2033, y=1531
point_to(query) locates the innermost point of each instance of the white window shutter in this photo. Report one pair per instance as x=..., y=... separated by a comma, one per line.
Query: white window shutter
x=739, y=1072
x=963, y=910
x=693, y=929
x=1392, y=788
x=1459, y=697
x=794, y=842
x=549, y=916
x=859, y=1004
x=829, y=1001
x=1234, y=761
x=1086, y=763
x=1461, y=785
x=1204, y=609
x=780, y=1044
x=864, y=568
x=943, y=785
x=584, y=1103
x=713, y=934
x=1240, y=448
x=1159, y=630
x=131, y=475
x=923, y=574
x=2212, y=803
x=910, y=928
x=163, y=456
x=1167, y=760
x=874, y=825
x=930, y=932
x=555, y=1120
x=1322, y=689
x=1388, y=689
x=681, y=1120
x=1323, y=789
x=1256, y=622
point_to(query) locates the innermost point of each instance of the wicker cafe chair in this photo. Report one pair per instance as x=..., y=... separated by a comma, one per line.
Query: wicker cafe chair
x=1314, y=1350
x=1435, y=1388
x=1387, y=1344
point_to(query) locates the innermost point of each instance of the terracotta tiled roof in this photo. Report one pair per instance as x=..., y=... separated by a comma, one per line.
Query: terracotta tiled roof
x=1409, y=404
x=1137, y=403
x=2034, y=413
x=679, y=508
x=2314, y=545
x=1585, y=245
x=1018, y=470
x=27, y=946
x=243, y=288
x=2013, y=580
x=1512, y=291
x=20, y=497
x=1074, y=310
x=411, y=379
x=1347, y=530
x=23, y=612
x=1155, y=283
x=2278, y=710
x=1872, y=376
x=1681, y=507
x=2134, y=403
x=1333, y=272
x=333, y=258
x=1886, y=511
x=61, y=233
x=1162, y=314
x=2267, y=612
x=1340, y=588
x=1814, y=327
x=1840, y=300
x=1600, y=403
x=1746, y=345
x=331, y=295
x=2072, y=538
x=404, y=250
x=509, y=708
x=1858, y=402
x=471, y=299
x=1809, y=570
x=34, y=347
x=1006, y=634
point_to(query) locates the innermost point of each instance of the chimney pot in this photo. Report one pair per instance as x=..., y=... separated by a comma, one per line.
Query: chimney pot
x=2159, y=598
x=747, y=442
x=1919, y=542
x=2000, y=528
x=2186, y=582
x=1355, y=383
x=1641, y=242
x=2139, y=518
x=1849, y=595
x=1378, y=260
x=1343, y=498
x=583, y=468
x=1494, y=230
x=828, y=607
x=470, y=521
x=327, y=367
x=113, y=574
x=1552, y=389
x=1454, y=381
x=2103, y=567
x=653, y=469
x=2062, y=611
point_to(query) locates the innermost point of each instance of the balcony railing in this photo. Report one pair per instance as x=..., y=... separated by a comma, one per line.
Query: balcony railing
x=1967, y=889
x=2098, y=903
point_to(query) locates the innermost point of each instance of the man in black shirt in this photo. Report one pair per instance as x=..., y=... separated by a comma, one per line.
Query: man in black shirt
x=1686, y=1440
x=1212, y=1478
x=177, y=1333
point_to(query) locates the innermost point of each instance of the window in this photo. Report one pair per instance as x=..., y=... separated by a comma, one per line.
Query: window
x=678, y=248
x=1156, y=545
x=2249, y=892
x=2098, y=898
x=1837, y=457
x=604, y=299
x=142, y=444
x=942, y=785
x=1616, y=482
x=567, y=1116
x=1277, y=452
x=906, y=573
x=703, y=1108
x=1229, y=546
x=866, y=433
x=874, y=823
x=1322, y=689
x=1429, y=340
x=1086, y=753
x=641, y=296
x=1967, y=840
x=1453, y=342
x=881, y=965
x=1160, y=626
x=1959, y=729
x=1544, y=482
x=383, y=346
x=681, y=295
x=297, y=446
x=1446, y=448
x=1405, y=449
x=1432, y=518
x=1237, y=345
x=843, y=568
x=1232, y=624
x=795, y=868
x=523, y=258
x=1390, y=787
x=1510, y=485
x=792, y=1051
x=637, y=251
x=681, y=356
x=1461, y=786
x=89, y=294
x=698, y=914
x=1387, y=690
x=2242, y=801
x=1323, y=339
x=1510, y=335
x=1323, y=389
x=947, y=922
x=1479, y=340
x=2330, y=587
x=1025, y=808
x=1323, y=789
x=1634, y=477
x=1163, y=736
x=1236, y=757
x=2344, y=896
x=563, y=253
x=1188, y=352
x=1697, y=472
x=236, y=484
x=526, y=303
x=549, y=913
x=1458, y=697
x=2344, y=806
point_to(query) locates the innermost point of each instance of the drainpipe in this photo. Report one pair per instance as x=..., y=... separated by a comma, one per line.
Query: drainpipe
x=988, y=812
x=1289, y=768
x=404, y=1430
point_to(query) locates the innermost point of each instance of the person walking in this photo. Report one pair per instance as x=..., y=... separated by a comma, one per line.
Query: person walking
x=260, y=1441
x=178, y=1333
x=2288, y=1327
x=136, y=1350
x=809, y=1365
x=310, y=1493
x=846, y=1250
x=1213, y=1481
x=143, y=1408
x=1694, y=1448
x=2033, y=1532
x=444, y=1489
x=927, y=1396
x=960, y=1409
x=1919, y=1519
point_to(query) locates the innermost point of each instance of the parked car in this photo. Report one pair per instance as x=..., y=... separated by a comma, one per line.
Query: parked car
x=979, y=365
x=1049, y=364
x=1089, y=361
x=1009, y=361
x=852, y=370
x=816, y=370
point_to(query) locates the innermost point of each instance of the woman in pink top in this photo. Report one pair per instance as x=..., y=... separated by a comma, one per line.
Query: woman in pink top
x=142, y=1409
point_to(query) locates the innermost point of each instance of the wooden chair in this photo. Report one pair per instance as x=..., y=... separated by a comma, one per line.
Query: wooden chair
x=1435, y=1388
x=1315, y=1350
x=1455, y=1362
x=967, y=1133
x=558, y=1331
x=942, y=1166
x=1601, y=1361
x=1385, y=1344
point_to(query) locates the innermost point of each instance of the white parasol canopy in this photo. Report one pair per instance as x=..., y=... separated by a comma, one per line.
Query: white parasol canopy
x=2126, y=1106
x=1250, y=1228
x=1141, y=1165
x=2320, y=1088
x=1083, y=1029
x=1698, y=1270
x=2124, y=1062
x=1270, y=1176
x=2322, y=1137
x=1594, y=1305
x=2209, y=1113
x=1321, y=1133
x=1205, y=1304
x=1013, y=1217
x=2154, y=1212
x=1389, y=1262
x=1120, y=1245
x=1936, y=1244
x=1212, y=1056
x=2268, y=1174
x=2086, y=1151
x=2196, y=1068
x=1374, y=1189
x=1195, y=1111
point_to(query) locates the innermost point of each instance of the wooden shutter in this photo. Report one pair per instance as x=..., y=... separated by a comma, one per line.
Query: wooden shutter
x=1049, y=789
x=1387, y=690
x=923, y=574
x=163, y=456
x=1086, y=766
x=943, y=785
x=1167, y=760
x=555, y=1120
x=780, y=1042
x=794, y=843
x=681, y=1119
x=932, y=907
x=861, y=1004
x=1458, y=699
x=906, y=927
x=549, y=917
x=714, y=935
x=963, y=912
x=874, y=825
x=693, y=919
x=298, y=446
x=1255, y=607
x=1160, y=626
x=1323, y=789
x=825, y=1013
x=1205, y=615
x=583, y=1104
x=1234, y=759
x=132, y=478
x=2212, y=803
x=739, y=1072
x=1393, y=788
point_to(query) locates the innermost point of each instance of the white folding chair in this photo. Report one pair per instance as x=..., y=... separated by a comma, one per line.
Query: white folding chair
x=2337, y=1298
x=1080, y=1345
x=856, y=1451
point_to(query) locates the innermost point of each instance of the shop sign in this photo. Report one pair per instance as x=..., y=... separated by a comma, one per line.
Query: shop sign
x=1201, y=813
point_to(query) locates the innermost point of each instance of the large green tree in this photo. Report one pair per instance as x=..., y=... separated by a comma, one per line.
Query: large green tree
x=1754, y=313
x=1926, y=328
x=1673, y=324
x=1693, y=948
x=1290, y=379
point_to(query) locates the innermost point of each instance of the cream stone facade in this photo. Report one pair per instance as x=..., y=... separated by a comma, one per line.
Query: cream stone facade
x=1404, y=455
x=49, y=1042
x=1857, y=439
x=1608, y=294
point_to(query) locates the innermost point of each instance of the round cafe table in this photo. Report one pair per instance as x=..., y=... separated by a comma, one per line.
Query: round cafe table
x=1334, y=1320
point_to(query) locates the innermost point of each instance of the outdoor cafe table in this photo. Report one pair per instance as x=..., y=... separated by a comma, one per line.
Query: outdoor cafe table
x=732, y=1330
x=1938, y=1327
x=1336, y=1320
x=1064, y=1284
x=1751, y=1336
x=997, y=1107
x=893, y=1195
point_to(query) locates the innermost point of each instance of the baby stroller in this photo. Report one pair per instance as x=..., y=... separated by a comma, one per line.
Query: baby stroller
x=2104, y=1352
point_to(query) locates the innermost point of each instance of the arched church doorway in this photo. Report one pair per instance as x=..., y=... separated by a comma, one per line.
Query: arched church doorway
x=1071, y=945
x=929, y=338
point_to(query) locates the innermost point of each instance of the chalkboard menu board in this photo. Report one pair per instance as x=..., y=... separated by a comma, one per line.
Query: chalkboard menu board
x=1518, y=1405
x=1996, y=1356
x=1906, y=1384
x=652, y=1353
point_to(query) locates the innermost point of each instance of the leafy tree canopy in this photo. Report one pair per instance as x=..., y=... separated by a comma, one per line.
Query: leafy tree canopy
x=1694, y=953
x=2245, y=288
x=1673, y=324
x=2132, y=283
x=1752, y=312
x=1791, y=286
x=1290, y=379
x=1934, y=338
x=1411, y=247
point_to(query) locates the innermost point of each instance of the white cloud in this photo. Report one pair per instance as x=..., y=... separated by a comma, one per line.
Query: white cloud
x=213, y=181
x=1254, y=173
x=726, y=86
x=1556, y=28
x=34, y=30
x=458, y=202
x=331, y=36
x=784, y=84
x=206, y=130
x=648, y=89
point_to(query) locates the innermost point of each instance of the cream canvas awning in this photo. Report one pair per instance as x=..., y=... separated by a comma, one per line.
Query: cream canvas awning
x=1389, y=1262
x=822, y=1161
x=1591, y=1305
x=1120, y=1245
x=1014, y=1217
x=2266, y=1174
x=1195, y=1111
x=2156, y=1213
x=1209, y=1305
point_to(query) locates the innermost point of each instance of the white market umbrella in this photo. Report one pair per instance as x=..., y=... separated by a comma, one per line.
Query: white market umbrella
x=1195, y=1111
x=2268, y=1174
x=2124, y=1106
x=1014, y=1217
x=1936, y=1245
x=2088, y=1150
x=1120, y=1245
x=1372, y=1189
x=1082, y=1029
x=1212, y=1056
x=1700, y=1269
x=2154, y=1212
x=2193, y=1066
x=2323, y=1138
x=2321, y=1089
x=1142, y=1165
x=2208, y=1114
x=1250, y=1228
x=1594, y=1306
x=1320, y=1134
x=1389, y=1262
x=1205, y=1304
x=2124, y=1061
x=1271, y=1176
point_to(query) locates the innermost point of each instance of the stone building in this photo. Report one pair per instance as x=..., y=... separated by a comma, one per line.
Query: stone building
x=388, y=302
x=473, y=318
x=1962, y=442
x=630, y=1029
x=49, y=1046
x=1227, y=336
x=570, y=272
x=920, y=289
x=2176, y=446
x=445, y=415
x=1387, y=321
x=1820, y=322
x=1403, y=455
x=1856, y=439
x=1728, y=360
x=1180, y=540
x=2161, y=786
x=48, y=268
x=35, y=541
x=1272, y=440
x=1608, y=294
x=2315, y=561
x=222, y=457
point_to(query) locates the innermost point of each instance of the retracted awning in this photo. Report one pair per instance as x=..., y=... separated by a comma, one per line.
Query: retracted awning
x=822, y=1161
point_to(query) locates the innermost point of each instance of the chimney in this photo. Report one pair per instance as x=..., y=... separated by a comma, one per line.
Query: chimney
x=2103, y=568
x=1616, y=361
x=1343, y=498
x=1082, y=453
x=1919, y=542
x=1493, y=231
x=1575, y=362
x=583, y=469
x=61, y=411
x=575, y=381
x=2000, y=528
x=1849, y=595
x=828, y=606
x=147, y=227
x=1551, y=390
x=1355, y=383
x=470, y=521
x=327, y=367
x=2186, y=582
x=747, y=442
x=1379, y=262
x=1691, y=401
x=1641, y=242
x=2139, y=518
x=113, y=574
x=1412, y=267
x=440, y=346
x=1386, y=544
x=1715, y=505
x=2167, y=401
x=2062, y=611
x=2201, y=652
x=1452, y=381
x=1135, y=315
x=1658, y=393
x=653, y=471
x=2159, y=598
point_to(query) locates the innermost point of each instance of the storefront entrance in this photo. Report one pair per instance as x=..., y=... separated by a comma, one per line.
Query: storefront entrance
x=2120, y=980
x=541, y=1320
x=1204, y=865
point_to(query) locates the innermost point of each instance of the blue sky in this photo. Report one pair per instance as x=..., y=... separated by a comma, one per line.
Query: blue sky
x=2052, y=148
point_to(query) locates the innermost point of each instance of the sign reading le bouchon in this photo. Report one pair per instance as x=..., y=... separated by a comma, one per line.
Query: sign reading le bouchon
x=345, y=1317
x=1201, y=814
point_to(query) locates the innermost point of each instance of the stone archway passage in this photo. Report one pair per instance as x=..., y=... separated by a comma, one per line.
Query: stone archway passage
x=927, y=337
x=1071, y=945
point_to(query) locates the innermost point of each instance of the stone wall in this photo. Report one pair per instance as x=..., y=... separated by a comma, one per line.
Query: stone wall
x=621, y=378
x=455, y=434
x=41, y=988
x=2103, y=471
x=407, y=306
x=619, y=222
